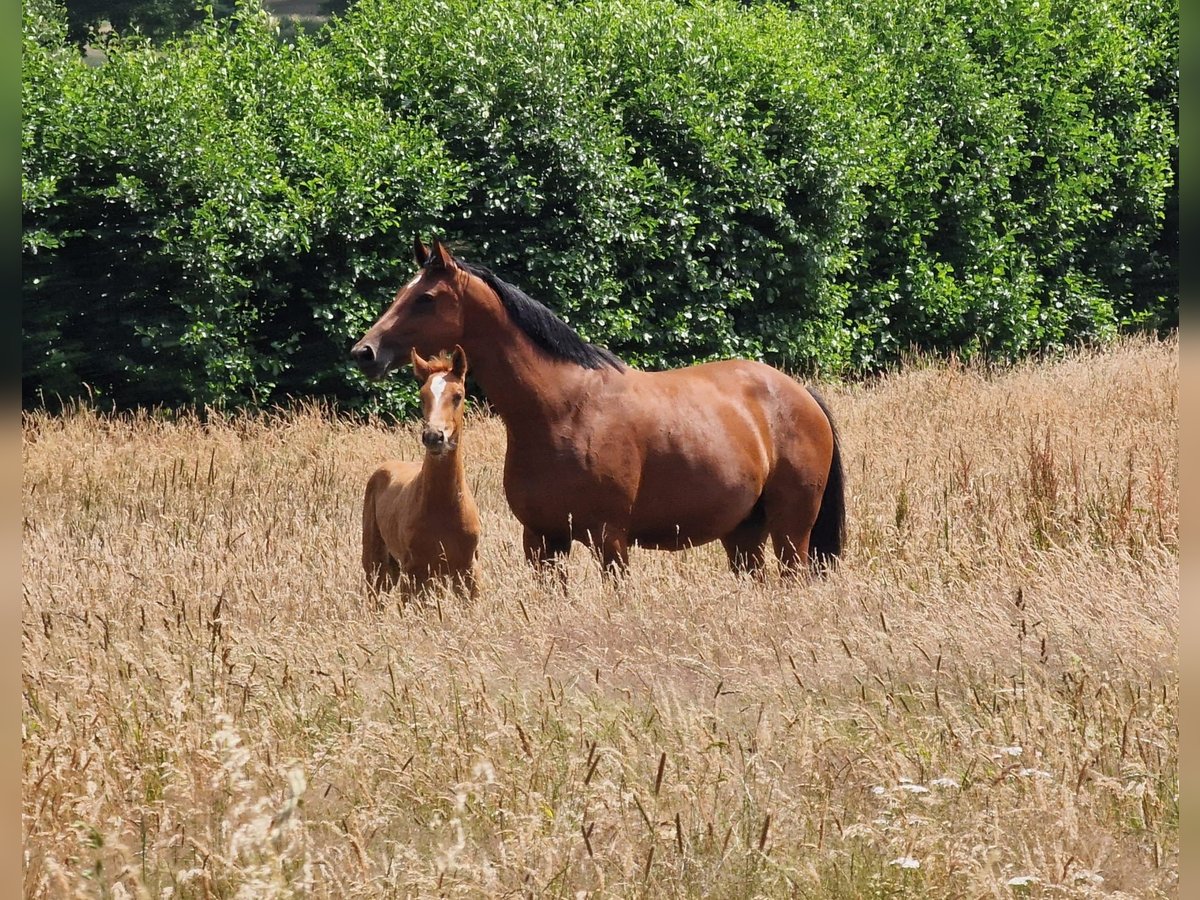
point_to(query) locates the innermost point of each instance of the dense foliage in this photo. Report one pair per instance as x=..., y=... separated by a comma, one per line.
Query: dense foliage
x=216, y=218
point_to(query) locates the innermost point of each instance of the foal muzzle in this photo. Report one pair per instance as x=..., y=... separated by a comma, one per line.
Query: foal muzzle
x=435, y=441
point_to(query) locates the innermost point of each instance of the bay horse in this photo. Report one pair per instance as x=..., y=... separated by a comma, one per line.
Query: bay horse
x=610, y=456
x=420, y=521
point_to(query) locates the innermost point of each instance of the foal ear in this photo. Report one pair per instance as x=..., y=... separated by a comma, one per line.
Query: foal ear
x=440, y=256
x=458, y=362
x=420, y=366
x=420, y=251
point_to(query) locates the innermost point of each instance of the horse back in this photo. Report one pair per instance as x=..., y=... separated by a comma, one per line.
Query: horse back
x=394, y=473
x=762, y=405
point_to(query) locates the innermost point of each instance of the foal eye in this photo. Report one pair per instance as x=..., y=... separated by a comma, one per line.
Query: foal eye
x=423, y=300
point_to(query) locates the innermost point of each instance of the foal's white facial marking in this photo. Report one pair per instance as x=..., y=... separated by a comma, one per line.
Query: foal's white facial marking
x=437, y=384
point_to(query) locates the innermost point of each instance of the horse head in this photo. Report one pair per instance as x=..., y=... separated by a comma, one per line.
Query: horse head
x=425, y=316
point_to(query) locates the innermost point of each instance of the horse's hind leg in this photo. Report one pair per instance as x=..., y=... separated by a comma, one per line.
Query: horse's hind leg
x=791, y=510
x=746, y=545
x=381, y=569
x=386, y=576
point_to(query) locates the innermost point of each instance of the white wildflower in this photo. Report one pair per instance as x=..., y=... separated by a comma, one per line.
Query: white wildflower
x=297, y=784
x=944, y=783
x=1035, y=773
x=857, y=829
x=177, y=706
x=906, y=862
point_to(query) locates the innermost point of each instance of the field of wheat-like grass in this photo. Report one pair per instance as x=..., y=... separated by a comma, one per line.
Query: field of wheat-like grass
x=981, y=701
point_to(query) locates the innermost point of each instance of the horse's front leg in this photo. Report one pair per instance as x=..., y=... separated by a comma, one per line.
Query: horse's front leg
x=613, y=553
x=545, y=552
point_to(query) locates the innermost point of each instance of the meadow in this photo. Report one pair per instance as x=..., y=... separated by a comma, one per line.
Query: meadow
x=981, y=701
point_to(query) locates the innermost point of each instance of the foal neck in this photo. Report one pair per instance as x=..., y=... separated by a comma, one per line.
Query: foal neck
x=445, y=466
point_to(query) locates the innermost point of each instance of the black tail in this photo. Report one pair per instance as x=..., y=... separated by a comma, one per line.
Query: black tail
x=829, y=531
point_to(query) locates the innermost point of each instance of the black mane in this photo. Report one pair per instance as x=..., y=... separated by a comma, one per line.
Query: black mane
x=543, y=327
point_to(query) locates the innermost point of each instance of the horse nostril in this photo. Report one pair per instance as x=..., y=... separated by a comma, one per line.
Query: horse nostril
x=363, y=354
x=431, y=438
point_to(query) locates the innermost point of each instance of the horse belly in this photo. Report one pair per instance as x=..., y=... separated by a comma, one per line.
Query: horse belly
x=692, y=507
x=703, y=474
x=567, y=501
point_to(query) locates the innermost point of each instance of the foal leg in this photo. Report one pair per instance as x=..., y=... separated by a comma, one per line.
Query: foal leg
x=466, y=581
x=545, y=552
x=378, y=564
x=386, y=576
x=472, y=579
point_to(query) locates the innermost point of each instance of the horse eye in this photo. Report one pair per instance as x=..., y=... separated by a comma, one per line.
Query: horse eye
x=458, y=398
x=424, y=299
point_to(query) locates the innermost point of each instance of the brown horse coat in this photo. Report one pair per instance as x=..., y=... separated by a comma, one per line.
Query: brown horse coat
x=419, y=519
x=611, y=456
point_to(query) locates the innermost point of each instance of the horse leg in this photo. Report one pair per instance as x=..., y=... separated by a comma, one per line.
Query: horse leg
x=418, y=586
x=613, y=553
x=387, y=575
x=746, y=545
x=544, y=552
x=791, y=510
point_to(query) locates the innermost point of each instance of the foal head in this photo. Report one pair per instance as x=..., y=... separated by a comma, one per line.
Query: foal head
x=443, y=389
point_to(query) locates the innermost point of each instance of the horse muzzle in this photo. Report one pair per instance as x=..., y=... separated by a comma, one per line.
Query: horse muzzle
x=375, y=362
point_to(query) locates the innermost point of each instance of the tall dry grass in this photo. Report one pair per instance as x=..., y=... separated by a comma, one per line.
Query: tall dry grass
x=981, y=702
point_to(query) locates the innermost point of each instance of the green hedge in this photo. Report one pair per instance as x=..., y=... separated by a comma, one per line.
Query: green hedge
x=210, y=220
x=215, y=219
x=1029, y=198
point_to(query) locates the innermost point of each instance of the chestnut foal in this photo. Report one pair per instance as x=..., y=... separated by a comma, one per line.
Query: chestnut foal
x=420, y=521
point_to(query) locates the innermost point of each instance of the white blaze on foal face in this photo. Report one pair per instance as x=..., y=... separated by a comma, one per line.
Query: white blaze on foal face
x=440, y=414
x=437, y=384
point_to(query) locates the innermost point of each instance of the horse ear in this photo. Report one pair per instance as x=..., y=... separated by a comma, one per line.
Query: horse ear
x=440, y=256
x=458, y=362
x=420, y=366
x=420, y=251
